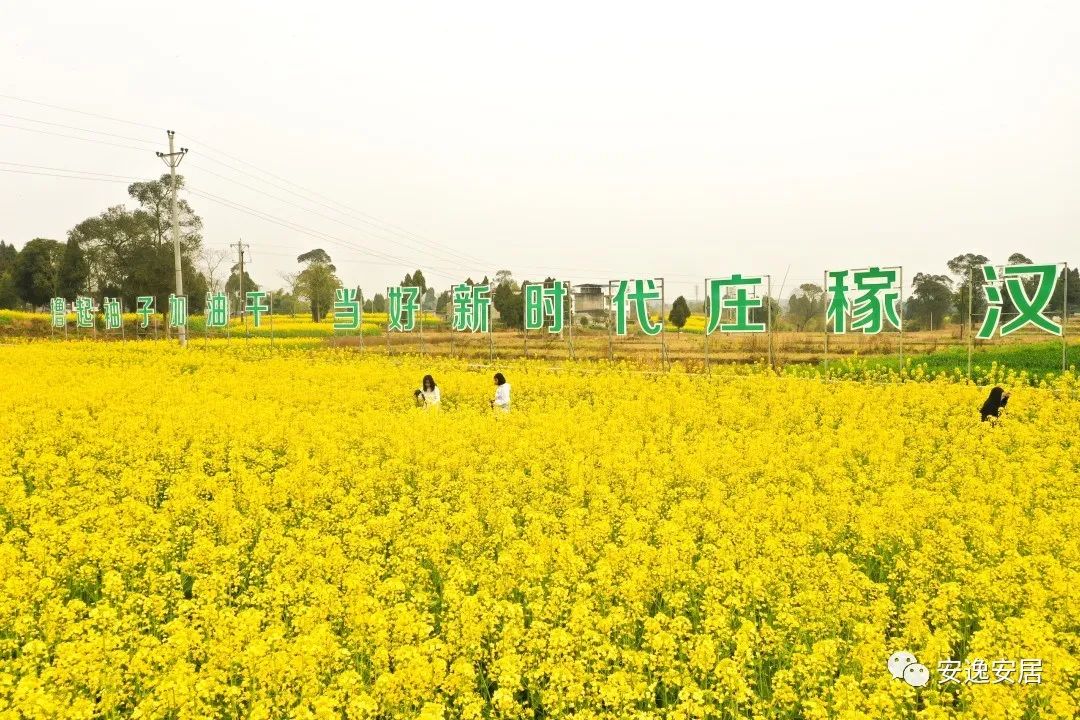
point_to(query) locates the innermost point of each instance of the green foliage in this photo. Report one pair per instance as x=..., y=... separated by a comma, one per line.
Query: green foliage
x=510, y=304
x=317, y=283
x=680, y=311
x=932, y=299
x=806, y=305
x=37, y=271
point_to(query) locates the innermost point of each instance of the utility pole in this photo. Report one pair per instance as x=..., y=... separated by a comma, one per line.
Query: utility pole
x=172, y=159
x=240, y=247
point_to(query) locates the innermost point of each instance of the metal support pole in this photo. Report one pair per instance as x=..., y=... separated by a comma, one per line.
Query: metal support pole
x=570, y=334
x=610, y=325
x=1065, y=320
x=901, y=316
x=663, y=328
x=768, y=318
x=708, y=302
x=421, y=325
x=825, y=308
x=271, y=319
x=971, y=286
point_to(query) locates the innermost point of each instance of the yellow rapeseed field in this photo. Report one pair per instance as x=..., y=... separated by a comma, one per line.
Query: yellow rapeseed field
x=246, y=532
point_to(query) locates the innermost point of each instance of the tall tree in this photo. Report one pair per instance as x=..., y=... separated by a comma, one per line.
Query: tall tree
x=210, y=262
x=968, y=271
x=408, y=281
x=932, y=300
x=317, y=282
x=9, y=296
x=130, y=253
x=378, y=303
x=509, y=304
x=37, y=271
x=232, y=285
x=74, y=270
x=427, y=304
x=419, y=281
x=680, y=312
x=805, y=305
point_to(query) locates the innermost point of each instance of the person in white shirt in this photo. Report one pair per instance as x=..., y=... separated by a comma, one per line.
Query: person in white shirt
x=430, y=391
x=502, y=393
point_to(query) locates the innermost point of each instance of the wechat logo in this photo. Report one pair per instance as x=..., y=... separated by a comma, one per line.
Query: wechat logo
x=904, y=666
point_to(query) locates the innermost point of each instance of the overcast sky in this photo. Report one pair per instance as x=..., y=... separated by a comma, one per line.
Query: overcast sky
x=588, y=141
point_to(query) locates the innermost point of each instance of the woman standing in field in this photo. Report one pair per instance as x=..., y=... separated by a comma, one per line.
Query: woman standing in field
x=502, y=393
x=997, y=400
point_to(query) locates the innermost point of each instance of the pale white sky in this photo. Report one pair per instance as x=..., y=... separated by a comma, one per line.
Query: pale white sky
x=584, y=140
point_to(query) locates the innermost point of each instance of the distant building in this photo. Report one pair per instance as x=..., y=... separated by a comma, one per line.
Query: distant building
x=590, y=301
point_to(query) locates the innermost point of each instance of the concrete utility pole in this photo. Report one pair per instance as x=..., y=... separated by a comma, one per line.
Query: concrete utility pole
x=172, y=159
x=240, y=247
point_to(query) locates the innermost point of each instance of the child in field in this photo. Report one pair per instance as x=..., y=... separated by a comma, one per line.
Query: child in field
x=997, y=400
x=502, y=393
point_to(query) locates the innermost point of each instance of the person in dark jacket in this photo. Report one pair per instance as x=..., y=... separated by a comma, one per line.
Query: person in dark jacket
x=997, y=400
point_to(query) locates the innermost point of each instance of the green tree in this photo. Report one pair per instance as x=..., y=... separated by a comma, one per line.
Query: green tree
x=680, y=312
x=317, y=282
x=74, y=269
x=419, y=281
x=378, y=303
x=510, y=304
x=806, y=304
x=233, y=286
x=428, y=302
x=37, y=271
x=932, y=300
x=9, y=296
x=770, y=310
x=443, y=302
x=408, y=281
x=130, y=253
x=968, y=271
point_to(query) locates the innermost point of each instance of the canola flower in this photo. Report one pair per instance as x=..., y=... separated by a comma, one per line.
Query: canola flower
x=245, y=532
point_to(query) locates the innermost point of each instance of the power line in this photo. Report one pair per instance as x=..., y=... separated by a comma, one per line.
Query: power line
x=299, y=228
x=84, y=172
x=70, y=177
x=369, y=217
x=72, y=137
x=80, y=112
x=314, y=212
x=74, y=127
x=361, y=217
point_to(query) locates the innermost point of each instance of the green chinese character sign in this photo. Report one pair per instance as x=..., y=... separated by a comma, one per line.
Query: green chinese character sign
x=1030, y=310
x=471, y=308
x=145, y=310
x=114, y=317
x=870, y=297
x=638, y=294
x=58, y=306
x=348, y=309
x=542, y=302
x=256, y=305
x=217, y=310
x=733, y=293
x=84, y=312
x=178, y=311
x=402, y=304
